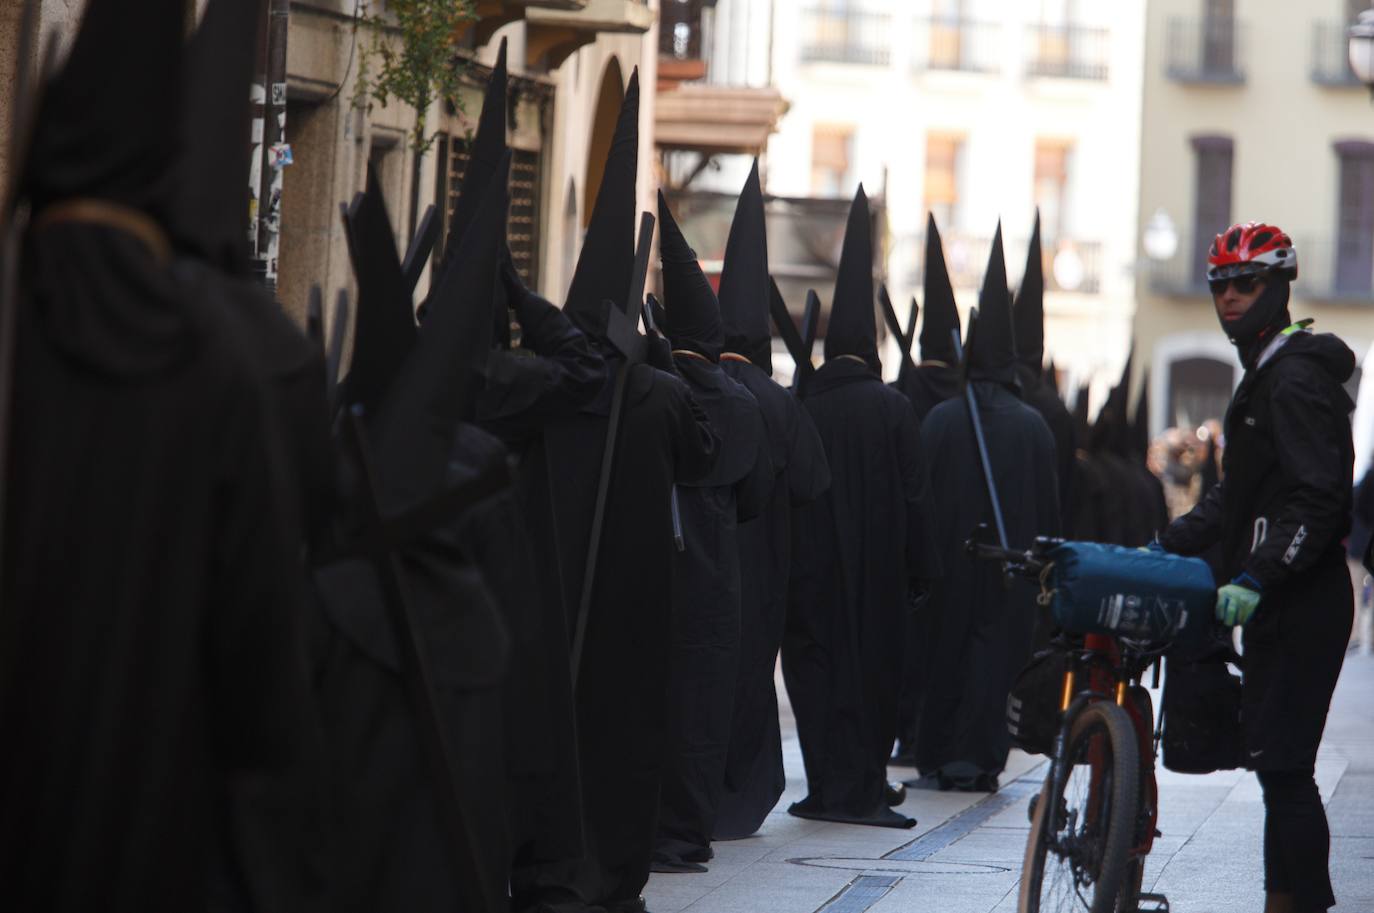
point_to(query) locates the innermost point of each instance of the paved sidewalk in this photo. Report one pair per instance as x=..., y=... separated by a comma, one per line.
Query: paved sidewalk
x=965, y=854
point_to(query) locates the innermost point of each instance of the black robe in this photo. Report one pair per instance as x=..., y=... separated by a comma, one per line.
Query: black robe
x=151, y=638
x=928, y=386
x=857, y=550
x=980, y=631
x=555, y=372
x=1041, y=397
x=622, y=691
x=754, y=777
x=706, y=612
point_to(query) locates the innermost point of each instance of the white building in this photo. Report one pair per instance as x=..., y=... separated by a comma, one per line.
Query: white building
x=977, y=110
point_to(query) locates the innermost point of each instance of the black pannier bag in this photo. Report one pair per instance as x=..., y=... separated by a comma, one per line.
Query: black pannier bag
x=1202, y=715
x=1033, y=703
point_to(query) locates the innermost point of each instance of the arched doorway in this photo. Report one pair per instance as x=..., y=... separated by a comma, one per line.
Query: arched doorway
x=608, y=99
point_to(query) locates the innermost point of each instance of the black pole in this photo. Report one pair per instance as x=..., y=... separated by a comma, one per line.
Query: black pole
x=972, y=402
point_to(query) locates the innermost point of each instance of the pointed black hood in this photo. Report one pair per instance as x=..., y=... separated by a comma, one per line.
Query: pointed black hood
x=693, y=316
x=488, y=148
x=1140, y=424
x=1082, y=422
x=744, y=286
x=436, y=386
x=1029, y=311
x=852, y=329
x=941, y=318
x=109, y=124
x=606, y=265
x=211, y=220
x=993, y=352
x=384, y=328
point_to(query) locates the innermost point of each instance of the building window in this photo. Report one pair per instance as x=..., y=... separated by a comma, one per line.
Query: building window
x=1219, y=36
x=944, y=152
x=1053, y=158
x=522, y=222
x=832, y=148
x=1354, y=270
x=1212, y=196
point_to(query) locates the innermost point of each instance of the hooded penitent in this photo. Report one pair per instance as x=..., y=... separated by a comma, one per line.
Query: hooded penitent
x=941, y=318
x=384, y=329
x=137, y=408
x=744, y=279
x=1028, y=314
x=852, y=329
x=606, y=264
x=437, y=386
x=693, y=316
x=992, y=350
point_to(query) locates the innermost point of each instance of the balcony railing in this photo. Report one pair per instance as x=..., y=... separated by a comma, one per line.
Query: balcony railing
x=957, y=44
x=1206, y=51
x=846, y=37
x=1071, y=52
x=1331, y=55
x=1070, y=265
x=1336, y=270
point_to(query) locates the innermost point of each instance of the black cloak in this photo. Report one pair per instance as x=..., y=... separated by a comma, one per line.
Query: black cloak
x=754, y=778
x=858, y=548
x=706, y=573
x=664, y=438
x=151, y=628
x=979, y=632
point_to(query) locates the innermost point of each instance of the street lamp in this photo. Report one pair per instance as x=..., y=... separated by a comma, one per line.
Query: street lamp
x=1161, y=238
x=1362, y=48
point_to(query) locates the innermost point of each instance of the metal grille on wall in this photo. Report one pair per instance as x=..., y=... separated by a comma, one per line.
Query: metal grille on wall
x=522, y=224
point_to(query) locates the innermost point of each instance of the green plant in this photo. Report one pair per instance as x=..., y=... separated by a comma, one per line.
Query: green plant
x=412, y=57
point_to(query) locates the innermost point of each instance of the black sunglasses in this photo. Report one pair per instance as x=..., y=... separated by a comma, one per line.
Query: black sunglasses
x=1243, y=284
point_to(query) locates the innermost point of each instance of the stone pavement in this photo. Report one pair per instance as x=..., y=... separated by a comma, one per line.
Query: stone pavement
x=964, y=856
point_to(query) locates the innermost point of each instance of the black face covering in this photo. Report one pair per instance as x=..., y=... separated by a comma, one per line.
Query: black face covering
x=1268, y=315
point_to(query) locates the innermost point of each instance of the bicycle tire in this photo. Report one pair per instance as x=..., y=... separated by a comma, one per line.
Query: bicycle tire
x=1128, y=901
x=1113, y=837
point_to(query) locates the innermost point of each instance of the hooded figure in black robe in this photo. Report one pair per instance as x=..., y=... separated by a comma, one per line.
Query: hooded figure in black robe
x=276, y=821
x=1154, y=505
x=936, y=378
x=706, y=572
x=394, y=850
x=983, y=629
x=622, y=678
x=1092, y=514
x=860, y=549
x=1124, y=509
x=149, y=637
x=1028, y=316
x=754, y=777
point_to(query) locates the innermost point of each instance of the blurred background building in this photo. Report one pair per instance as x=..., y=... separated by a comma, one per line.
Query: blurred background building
x=1251, y=112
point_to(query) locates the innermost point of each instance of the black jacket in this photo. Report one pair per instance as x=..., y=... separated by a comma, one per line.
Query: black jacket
x=1285, y=496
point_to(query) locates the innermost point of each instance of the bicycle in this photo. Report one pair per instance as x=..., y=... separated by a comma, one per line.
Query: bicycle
x=1094, y=821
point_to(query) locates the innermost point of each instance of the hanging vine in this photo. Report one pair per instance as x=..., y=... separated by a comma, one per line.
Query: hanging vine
x=412, y=57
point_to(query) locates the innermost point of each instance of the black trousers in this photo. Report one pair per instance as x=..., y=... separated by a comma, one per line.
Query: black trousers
x=1297, y=842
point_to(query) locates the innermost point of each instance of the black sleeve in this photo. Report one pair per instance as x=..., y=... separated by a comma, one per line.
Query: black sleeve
x=695, y=442
x=556, y=372
x=1197, y=530
x=1308, y=422
x=754, y=490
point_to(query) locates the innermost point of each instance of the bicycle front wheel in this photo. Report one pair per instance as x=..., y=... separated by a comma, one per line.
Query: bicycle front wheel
x=1083, y=827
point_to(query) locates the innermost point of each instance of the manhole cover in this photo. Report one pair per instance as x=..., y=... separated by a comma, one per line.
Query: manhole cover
x=898, y=866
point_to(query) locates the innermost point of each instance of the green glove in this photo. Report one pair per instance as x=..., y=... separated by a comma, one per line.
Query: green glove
x=1237, y=601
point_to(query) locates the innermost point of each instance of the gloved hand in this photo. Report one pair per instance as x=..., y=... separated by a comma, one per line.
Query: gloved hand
x=661, y=353
x=1237, y=601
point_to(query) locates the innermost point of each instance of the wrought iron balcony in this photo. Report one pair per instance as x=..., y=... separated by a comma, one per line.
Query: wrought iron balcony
x=1339, y=270
x=1331, y=55
x=1071, y=52
x=846, y=37
x=955, y=43
x=1206, y=51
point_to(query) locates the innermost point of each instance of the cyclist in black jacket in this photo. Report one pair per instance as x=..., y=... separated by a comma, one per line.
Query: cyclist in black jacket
x=1280, y=513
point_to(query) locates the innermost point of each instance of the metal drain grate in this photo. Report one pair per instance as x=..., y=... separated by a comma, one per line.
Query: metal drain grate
x=964, y=823
x=860, y=894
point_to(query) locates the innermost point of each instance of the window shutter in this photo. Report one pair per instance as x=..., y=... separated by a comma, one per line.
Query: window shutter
x=1355, y=220
x=1212, y=213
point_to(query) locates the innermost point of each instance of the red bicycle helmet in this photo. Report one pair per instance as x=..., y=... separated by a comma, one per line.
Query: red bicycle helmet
x=1249, y=248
